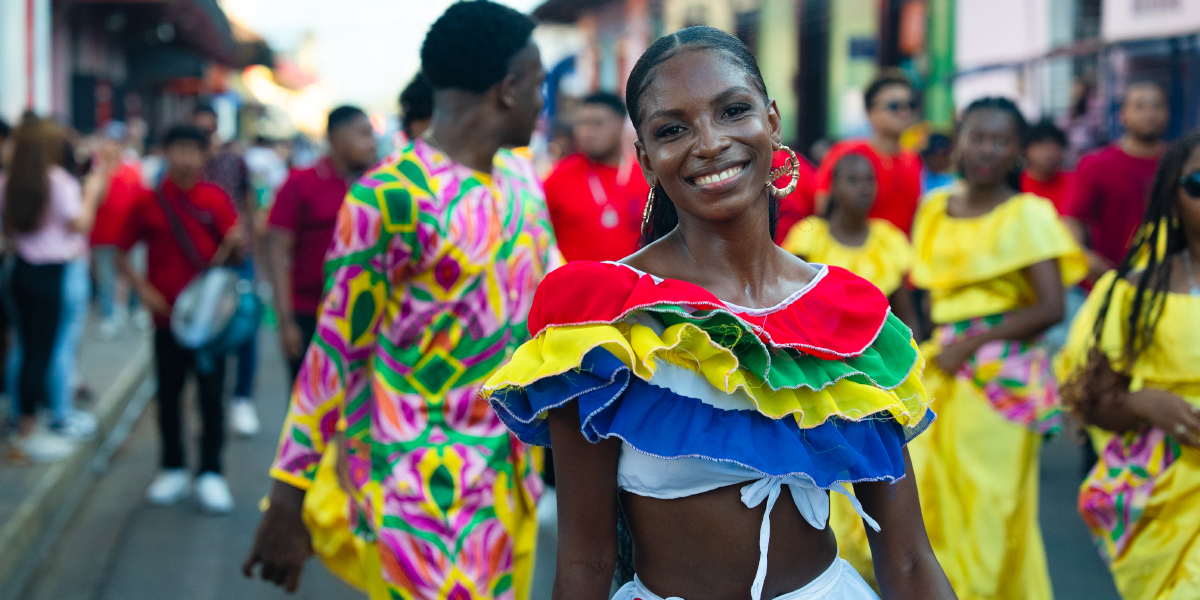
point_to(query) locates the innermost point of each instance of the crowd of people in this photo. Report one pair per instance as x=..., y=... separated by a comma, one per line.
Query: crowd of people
x=690, y=315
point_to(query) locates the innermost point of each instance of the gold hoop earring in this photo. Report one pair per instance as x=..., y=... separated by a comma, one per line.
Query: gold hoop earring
x=646, y=212
x=792, y=167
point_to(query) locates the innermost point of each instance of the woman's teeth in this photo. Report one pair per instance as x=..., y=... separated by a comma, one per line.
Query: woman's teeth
x=719, y=177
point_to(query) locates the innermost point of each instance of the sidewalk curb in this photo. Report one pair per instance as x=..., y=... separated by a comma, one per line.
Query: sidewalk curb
x=20, y=536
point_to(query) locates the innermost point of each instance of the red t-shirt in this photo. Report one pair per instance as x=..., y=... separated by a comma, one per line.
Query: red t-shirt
x=596, y=209
x=1057, y=190
x=207, y=215
x=307, y=205
x=898, y=178
x=1111, y=192
x=123, y=190
x=799, y=204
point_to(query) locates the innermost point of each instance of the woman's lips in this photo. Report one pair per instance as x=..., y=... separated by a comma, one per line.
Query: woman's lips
x=720, y=180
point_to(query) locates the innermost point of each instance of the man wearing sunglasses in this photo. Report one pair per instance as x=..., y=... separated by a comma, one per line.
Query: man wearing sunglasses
x=891, y=109
x=1112, y=184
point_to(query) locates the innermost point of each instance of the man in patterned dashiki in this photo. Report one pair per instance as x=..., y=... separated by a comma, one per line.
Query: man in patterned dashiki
x=429, y=282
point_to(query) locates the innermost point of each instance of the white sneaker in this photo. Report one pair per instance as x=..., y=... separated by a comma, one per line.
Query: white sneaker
x=109, y=329
x=80, y=425
x=169, y=486
x=214, y=494
x=243, y=417
x=42, y=446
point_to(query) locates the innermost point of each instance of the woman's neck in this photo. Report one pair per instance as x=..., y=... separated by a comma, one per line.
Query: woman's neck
x=740, y=250
x=848, y=229
x=980, y=198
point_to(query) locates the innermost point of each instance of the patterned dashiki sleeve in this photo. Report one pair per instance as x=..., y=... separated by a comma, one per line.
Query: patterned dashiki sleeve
x=375, y=231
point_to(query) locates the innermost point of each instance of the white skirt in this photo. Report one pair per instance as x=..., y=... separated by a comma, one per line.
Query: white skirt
x=839, y=582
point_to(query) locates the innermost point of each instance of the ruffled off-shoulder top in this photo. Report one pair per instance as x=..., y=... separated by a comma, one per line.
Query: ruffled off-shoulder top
x=820, y=390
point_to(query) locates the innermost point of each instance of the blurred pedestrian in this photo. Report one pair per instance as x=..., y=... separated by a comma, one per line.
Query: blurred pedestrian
x=416, y=107
x=1045, y=174
x=46, y=217
x=228, y=170
x=937, y=169
x=649, y=376
x=186, y=224
x=1112, y=184
x=302, y=226
x=892, y=109
x=429, y=282
x=1132, y=366
x=995, y=262
x=123, y=187
x=596, y=195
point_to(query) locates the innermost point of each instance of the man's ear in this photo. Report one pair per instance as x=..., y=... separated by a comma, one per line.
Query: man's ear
x=506, y=91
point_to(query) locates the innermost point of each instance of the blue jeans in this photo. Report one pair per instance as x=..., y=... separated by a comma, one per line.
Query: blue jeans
x=247, y=355
x=104, y=260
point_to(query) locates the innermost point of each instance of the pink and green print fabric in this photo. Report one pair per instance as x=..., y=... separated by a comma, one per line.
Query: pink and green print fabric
x=429, y=280
x=1118, y=489
x=1016, y=377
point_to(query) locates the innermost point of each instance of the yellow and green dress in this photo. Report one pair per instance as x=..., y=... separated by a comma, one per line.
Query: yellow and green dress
x=884, y=260
x=977, y=469
x=1140, y=500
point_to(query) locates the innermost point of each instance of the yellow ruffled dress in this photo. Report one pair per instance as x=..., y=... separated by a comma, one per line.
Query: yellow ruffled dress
x=884, y=259
x=1141, y=499
x=977, y=469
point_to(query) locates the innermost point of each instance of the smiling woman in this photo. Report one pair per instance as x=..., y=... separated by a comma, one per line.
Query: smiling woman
x=687, y=386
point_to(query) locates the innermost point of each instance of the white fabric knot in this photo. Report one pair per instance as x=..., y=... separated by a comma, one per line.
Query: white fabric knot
x=811, y=501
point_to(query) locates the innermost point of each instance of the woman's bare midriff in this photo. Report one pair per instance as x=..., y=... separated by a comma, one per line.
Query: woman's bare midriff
x=705, y=547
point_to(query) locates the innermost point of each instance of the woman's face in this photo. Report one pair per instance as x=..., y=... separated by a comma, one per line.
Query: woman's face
x=1189, y=206
x=989, y=145
x=707, y=135
x=854, y=186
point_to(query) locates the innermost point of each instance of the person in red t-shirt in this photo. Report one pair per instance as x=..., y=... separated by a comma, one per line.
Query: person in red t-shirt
x=891, y=110
x=597, y=195
x=124, y=186
x=208, y=218
x=302, y=224
x=1112, y=185
x=1044, y=174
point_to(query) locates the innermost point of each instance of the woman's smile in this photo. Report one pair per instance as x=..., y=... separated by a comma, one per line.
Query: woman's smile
x=720, y=178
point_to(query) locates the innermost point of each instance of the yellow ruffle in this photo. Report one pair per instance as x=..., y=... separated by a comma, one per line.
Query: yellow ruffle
x=561, y=349
x=883, y=259
x=1172, y=361
x=972, y=267
x=327, y=515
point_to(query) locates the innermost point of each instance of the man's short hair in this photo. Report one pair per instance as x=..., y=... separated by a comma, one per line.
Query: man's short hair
x=416, y=101
x=204, y=107
x=470, y=47
x=1047, y=131
x=882, y=81
x=185, y=133
x=5, y=130
x=608, y=99
x=342, y=116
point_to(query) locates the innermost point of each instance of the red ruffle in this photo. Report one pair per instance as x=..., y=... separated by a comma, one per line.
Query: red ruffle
x=838, y=317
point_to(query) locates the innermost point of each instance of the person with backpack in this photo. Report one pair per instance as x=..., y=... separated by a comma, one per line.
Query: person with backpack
x=187, y=225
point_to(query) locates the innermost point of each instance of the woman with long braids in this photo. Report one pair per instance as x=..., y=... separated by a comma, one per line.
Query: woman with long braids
x=1132, y=367
x=995, y=262
x=712, y=389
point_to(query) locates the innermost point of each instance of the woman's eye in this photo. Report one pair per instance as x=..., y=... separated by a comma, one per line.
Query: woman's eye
x=736, y=110
x=667, y=131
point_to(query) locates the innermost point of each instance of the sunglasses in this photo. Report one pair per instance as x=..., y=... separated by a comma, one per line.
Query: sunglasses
x=1191, y=184
x=898, y=106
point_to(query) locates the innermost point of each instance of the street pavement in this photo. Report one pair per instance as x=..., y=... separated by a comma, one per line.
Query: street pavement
x=116, y=547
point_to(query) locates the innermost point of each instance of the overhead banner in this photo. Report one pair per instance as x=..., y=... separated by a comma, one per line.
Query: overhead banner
x=1126, y=20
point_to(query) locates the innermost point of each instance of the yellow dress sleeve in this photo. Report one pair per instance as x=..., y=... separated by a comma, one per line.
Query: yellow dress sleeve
x=801, y=237
x=891, y=256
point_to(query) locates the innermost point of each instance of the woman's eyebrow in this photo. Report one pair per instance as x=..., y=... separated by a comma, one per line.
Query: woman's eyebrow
x=721, y=98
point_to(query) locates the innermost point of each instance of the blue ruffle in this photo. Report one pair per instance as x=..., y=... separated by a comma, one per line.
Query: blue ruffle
x=613, y=403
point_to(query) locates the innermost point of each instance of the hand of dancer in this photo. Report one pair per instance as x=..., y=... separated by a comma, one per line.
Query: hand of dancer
x=282, y=542
x=954, y=356
x=291, y=339
x=1177, y=417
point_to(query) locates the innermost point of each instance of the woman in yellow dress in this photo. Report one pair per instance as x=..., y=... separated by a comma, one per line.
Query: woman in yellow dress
x=877, y=251
x=995, y=262
x=1132, y=366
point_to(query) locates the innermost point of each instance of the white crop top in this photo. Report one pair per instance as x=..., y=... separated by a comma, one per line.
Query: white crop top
x=645, y=475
